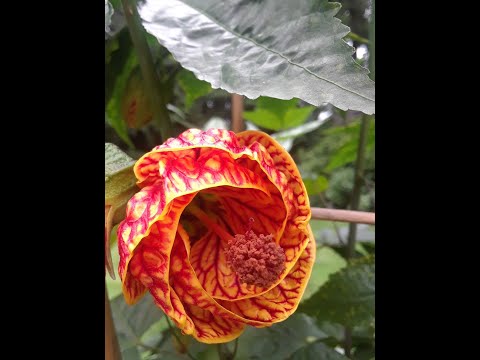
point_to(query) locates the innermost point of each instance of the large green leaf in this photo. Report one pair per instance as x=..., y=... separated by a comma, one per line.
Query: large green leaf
x=316, y=350
x=347, y=298
x=282, y=49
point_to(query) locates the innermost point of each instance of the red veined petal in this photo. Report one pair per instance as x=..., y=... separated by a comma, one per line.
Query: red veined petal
x=157, y=237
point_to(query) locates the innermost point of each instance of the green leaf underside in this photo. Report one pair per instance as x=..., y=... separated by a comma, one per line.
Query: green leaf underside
x=347, y=298
x=282, y=49
x=119, y=176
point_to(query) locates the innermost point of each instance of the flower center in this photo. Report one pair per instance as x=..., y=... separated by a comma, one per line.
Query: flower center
x=257, y=260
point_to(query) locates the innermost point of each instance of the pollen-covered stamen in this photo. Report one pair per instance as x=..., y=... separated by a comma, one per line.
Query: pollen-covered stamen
x=257, y=260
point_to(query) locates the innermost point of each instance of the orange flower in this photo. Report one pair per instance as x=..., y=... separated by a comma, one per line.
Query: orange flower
x=218, y=233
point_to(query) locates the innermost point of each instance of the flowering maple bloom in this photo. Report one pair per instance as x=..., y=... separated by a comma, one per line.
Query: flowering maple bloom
x=218, y=233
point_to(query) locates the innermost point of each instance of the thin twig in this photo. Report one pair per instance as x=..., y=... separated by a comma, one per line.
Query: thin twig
x=357, y=217
x=237, y=113
x=235, y=349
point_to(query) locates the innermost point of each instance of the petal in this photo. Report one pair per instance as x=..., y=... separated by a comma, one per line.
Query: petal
x=281, y=301
x=283, y=162
x=145, y=264
x=212, y=322
x=239, y=205
x=212, y=329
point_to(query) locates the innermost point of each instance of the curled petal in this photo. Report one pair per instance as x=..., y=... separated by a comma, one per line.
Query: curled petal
x=284, y=163
x=148, y=262
x=212, y=322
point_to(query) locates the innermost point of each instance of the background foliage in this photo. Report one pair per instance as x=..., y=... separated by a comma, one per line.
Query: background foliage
x=323, y=141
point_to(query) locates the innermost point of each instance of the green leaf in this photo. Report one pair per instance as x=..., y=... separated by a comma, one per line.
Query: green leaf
x=327, y=262
x=114, y=106
x=264, y=118
x=154, y=334
x=192, y=87
x=276, y=106
x=348, y=297
x=295, y=117
x=347, y=153
x=315, y=186
x=129, y=351
x=119, y=176
x=131, y=322
x=280, y=340
x=278, y=114
x=282, y=49
x=317, y=350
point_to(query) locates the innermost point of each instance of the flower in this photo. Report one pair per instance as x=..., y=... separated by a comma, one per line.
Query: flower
x=218, y=233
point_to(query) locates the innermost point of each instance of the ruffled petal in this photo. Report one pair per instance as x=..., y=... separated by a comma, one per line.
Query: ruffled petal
x=196, y=159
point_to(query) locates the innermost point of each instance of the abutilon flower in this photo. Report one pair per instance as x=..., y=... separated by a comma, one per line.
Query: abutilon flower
x=218, y=233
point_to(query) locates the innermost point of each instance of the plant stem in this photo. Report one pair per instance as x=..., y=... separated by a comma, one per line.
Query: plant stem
x=357, y=185
x=112, y=349
x=235, y=348
x=357, y=38
x=237, y=113
x=172, y=331
x=359, y=167
x=355, y=201
x=151, y=80
x=360, y=217
x=224, y=353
